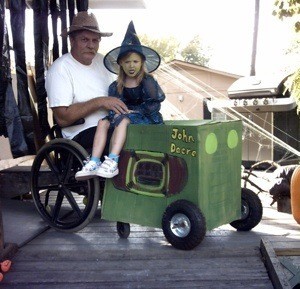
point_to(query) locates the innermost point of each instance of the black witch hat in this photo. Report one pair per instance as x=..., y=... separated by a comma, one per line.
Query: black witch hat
x=131, y=43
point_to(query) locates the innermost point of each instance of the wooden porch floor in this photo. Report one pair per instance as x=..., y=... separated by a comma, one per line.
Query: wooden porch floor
x=95, y=257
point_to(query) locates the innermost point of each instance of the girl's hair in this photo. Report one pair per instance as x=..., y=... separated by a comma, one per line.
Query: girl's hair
x=122, y=74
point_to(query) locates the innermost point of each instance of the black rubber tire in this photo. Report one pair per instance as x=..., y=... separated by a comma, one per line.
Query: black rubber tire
x=252, y=211
x=192, y=229
x=123, y=230
x=57, y=195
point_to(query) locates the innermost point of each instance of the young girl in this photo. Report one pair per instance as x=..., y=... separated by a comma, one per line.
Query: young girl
x=138, y=90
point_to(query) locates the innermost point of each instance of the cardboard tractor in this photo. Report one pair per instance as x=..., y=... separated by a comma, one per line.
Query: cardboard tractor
x=183, y=177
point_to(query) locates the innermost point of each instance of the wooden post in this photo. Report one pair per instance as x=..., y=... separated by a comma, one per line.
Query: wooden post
x=6, y=250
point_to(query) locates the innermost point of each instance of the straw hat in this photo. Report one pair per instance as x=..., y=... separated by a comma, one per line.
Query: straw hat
x=131, y=43
x=84, y=21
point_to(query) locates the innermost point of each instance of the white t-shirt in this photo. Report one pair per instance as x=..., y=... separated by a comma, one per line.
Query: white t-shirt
x=68, y=81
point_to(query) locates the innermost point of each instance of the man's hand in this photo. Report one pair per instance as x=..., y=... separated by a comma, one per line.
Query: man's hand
x=115, y=104
x=67, y=115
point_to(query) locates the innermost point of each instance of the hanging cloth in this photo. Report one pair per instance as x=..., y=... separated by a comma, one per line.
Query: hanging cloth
x=63, y=18
x=14, y=125
x=17, y=20
x=71, y=7
x=54, y=17
x=41, y=43
x=10, y=121
x=82, y=5
x=3, y=130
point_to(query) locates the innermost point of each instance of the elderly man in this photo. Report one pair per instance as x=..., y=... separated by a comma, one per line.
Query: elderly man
x=77, y=82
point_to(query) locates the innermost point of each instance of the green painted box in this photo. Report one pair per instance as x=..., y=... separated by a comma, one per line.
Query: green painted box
x=198, y=161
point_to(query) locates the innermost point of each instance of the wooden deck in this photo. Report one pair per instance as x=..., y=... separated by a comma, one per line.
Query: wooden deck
x=96, y=258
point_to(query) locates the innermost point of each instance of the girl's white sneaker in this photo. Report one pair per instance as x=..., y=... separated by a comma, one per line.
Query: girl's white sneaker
x=108, y=169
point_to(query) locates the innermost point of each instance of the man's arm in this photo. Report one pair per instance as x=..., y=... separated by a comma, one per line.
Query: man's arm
x=67, y=115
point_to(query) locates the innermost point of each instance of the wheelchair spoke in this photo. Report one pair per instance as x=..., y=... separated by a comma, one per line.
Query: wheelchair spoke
x=57, y=206
x=52, y=165
x=72, y=201
x=48, y=187
x=68, y=167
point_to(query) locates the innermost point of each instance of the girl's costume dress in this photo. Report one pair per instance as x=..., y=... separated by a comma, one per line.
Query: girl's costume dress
x=145, y=100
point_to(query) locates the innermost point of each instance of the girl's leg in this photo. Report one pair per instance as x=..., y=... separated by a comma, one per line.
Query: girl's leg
x=90, y=168
x=100, y=138
x=119, y=137
x=109, y=167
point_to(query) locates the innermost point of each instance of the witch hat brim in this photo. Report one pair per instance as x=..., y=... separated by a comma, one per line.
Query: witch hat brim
x=152, y=58
x=131, y=43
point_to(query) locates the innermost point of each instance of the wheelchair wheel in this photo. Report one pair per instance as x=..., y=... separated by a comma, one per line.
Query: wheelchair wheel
x=64, y=203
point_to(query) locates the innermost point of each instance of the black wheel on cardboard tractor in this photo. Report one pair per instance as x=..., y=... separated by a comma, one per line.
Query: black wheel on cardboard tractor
x=183, y=225
x=251, y=211
x=123, y=230
x=64, y=203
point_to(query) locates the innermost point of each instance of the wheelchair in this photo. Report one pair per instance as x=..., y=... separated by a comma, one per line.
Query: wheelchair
x=64, y=203
x=183, y=177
